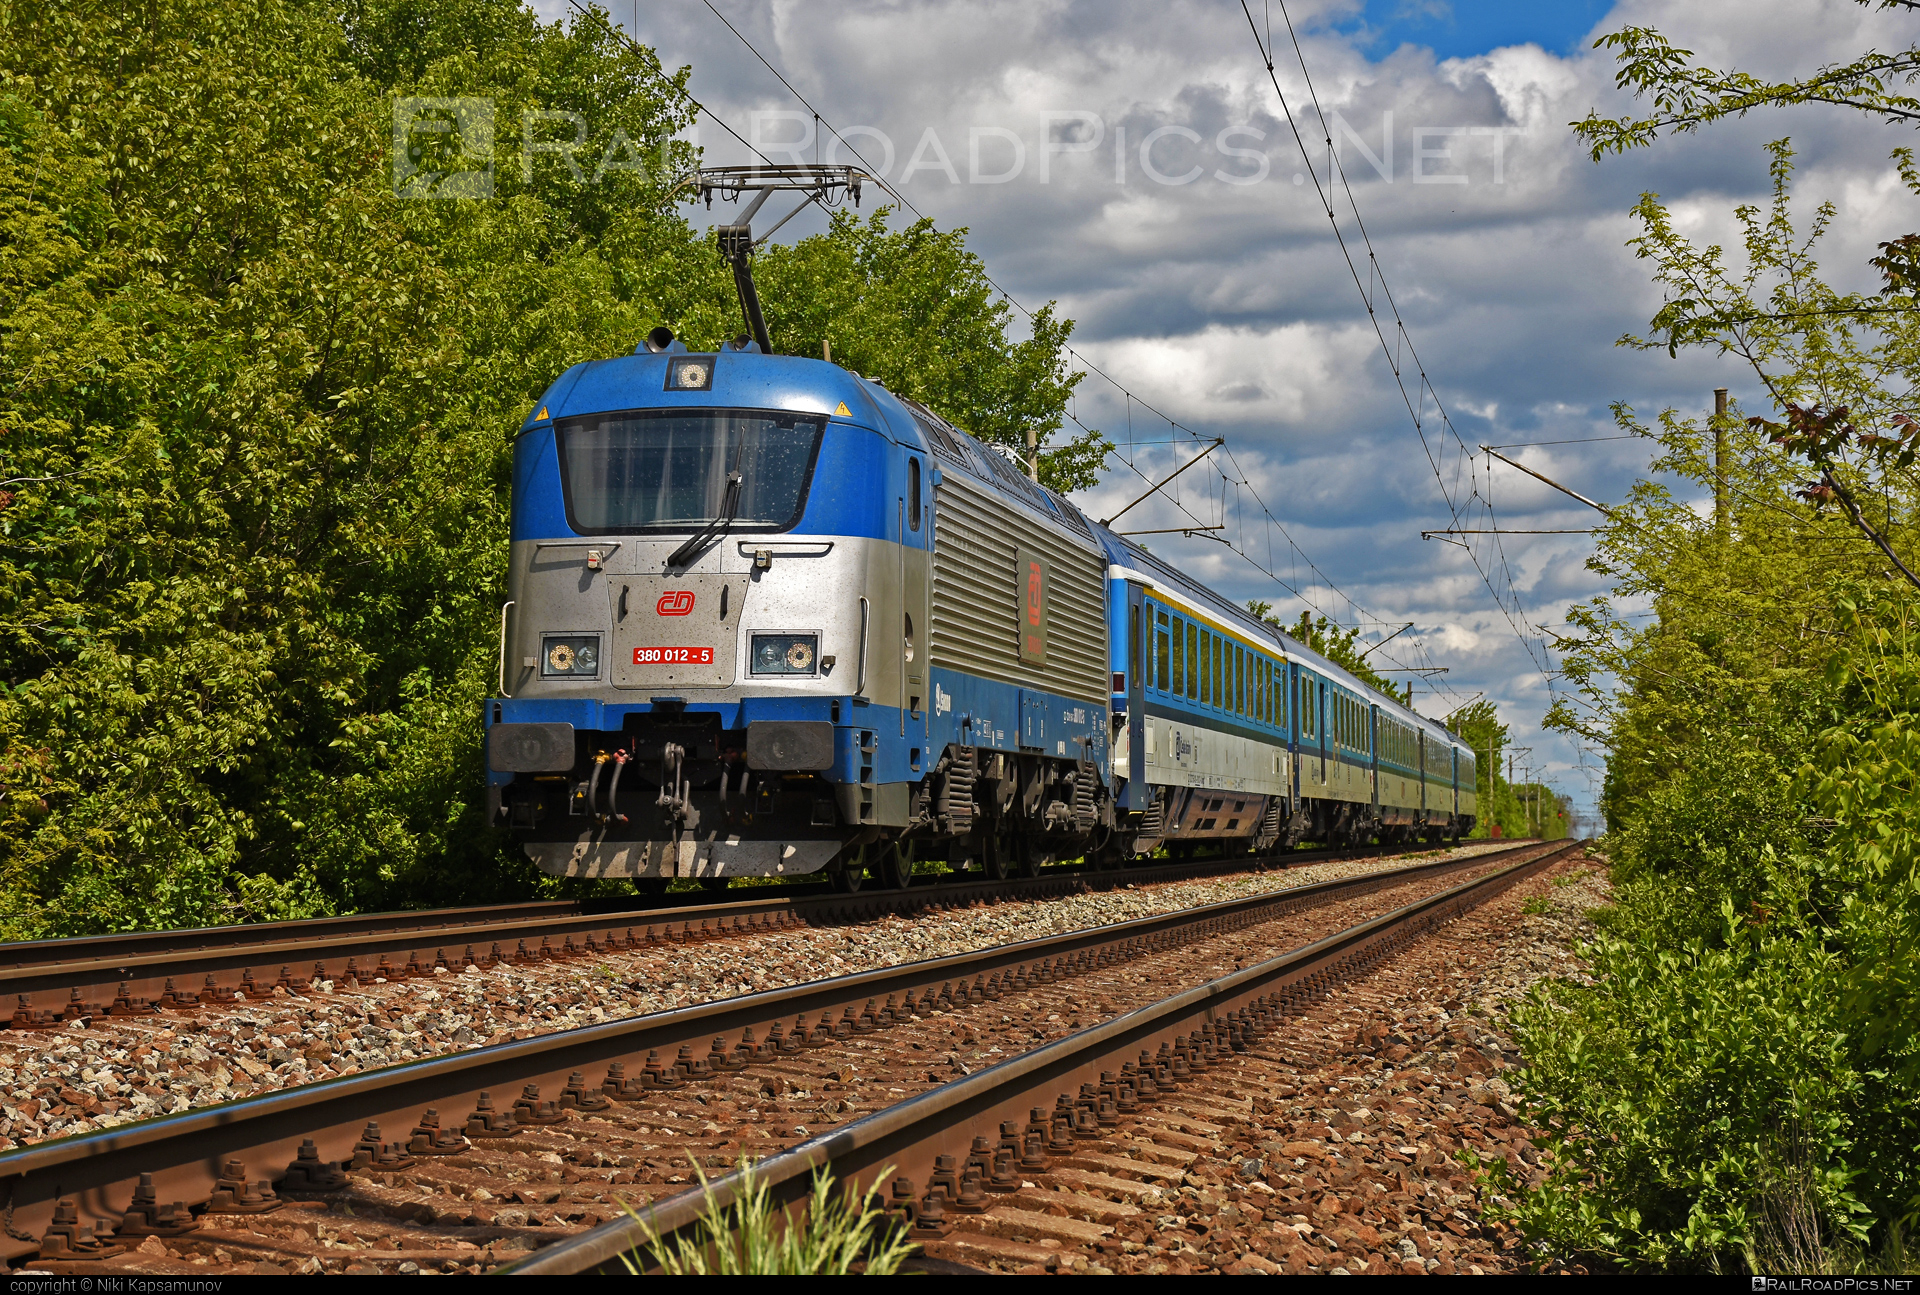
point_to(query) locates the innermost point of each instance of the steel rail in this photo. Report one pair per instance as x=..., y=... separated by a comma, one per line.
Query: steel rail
x=184, y=1152
x=86, y=969
x=905, y=1138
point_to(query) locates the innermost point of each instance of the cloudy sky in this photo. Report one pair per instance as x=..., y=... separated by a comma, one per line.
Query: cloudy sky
x=1131, y=161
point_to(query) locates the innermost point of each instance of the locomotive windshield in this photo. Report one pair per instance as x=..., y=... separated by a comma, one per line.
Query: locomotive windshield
x=668, y=469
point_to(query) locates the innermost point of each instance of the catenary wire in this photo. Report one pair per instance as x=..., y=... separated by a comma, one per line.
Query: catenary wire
x=1358, y=613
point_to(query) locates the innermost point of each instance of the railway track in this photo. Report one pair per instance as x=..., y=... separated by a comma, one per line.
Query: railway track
x=45, y=984
x=463, y=1162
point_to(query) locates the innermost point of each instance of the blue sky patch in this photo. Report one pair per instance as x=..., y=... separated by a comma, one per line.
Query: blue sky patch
x=1464, y=28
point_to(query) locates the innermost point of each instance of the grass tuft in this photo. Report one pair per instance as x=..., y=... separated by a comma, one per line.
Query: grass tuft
x=754, y=1237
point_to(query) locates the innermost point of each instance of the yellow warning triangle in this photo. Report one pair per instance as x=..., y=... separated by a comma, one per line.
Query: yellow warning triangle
x=843, y=409
x=541, y=417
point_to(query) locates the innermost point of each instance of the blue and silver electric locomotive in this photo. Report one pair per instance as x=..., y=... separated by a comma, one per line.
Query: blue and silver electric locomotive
x=766, y=618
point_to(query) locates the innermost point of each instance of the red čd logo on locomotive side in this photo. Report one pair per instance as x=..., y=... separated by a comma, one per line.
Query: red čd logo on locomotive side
x=675, y=602
x=1031, y=589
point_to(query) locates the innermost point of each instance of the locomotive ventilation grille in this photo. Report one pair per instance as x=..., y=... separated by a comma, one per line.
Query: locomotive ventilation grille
x=977, y=597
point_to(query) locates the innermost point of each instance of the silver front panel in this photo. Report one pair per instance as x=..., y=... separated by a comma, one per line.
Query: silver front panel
x=676, y=631
x=813, y=585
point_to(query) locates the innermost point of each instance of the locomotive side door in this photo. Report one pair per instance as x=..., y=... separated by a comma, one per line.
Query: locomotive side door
x=915, y=521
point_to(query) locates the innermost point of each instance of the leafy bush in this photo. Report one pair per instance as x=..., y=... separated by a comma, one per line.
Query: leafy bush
x=1738, y=1076
x=254, y=435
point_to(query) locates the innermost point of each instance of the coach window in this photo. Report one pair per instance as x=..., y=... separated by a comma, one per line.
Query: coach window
x=1239, y=682
x=913, y=493
x=1219, y=680
x=1206, y=667
x=1161, y=653
x=1193, y=661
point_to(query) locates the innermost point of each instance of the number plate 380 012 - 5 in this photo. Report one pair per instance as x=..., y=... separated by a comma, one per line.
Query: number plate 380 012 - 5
x=674, y=632
x=673, y=656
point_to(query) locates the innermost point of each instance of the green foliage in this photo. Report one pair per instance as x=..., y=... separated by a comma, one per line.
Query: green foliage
x=754, y=1238
x=1687, y=96
x=1738, y=1081
x=254, y=413
x=1518, y=809
x=1766, y=1038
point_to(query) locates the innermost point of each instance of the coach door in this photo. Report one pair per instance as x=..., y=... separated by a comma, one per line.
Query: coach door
x=1373, y=756
x=1321, y=724
x=1293, y=729
x=1139, y=647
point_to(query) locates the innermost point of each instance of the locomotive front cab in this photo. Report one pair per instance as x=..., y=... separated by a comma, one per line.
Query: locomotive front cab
x=692, y=666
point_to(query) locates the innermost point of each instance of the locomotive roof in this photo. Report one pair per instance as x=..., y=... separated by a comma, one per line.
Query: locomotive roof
x=986, y=466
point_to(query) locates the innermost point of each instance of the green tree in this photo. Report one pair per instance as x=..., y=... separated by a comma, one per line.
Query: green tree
x=254, y=422
x=1686, y=96
x=1743, y=1051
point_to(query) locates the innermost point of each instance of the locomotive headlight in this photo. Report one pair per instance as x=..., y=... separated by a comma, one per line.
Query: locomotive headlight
x=569, y=656
x=788, y=654
x=690, y=373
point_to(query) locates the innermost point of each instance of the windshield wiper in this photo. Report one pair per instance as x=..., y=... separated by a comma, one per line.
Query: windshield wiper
x=698, y=543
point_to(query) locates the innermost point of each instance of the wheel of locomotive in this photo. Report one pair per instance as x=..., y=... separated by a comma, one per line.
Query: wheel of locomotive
x=852, y=873
x=896, y=866
x=1026, y=857
x=993, y=856
x=650, y=889
x=1104, y=851
x=714, y=885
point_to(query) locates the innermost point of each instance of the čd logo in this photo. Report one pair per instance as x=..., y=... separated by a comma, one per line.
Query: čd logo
x=675, y=602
